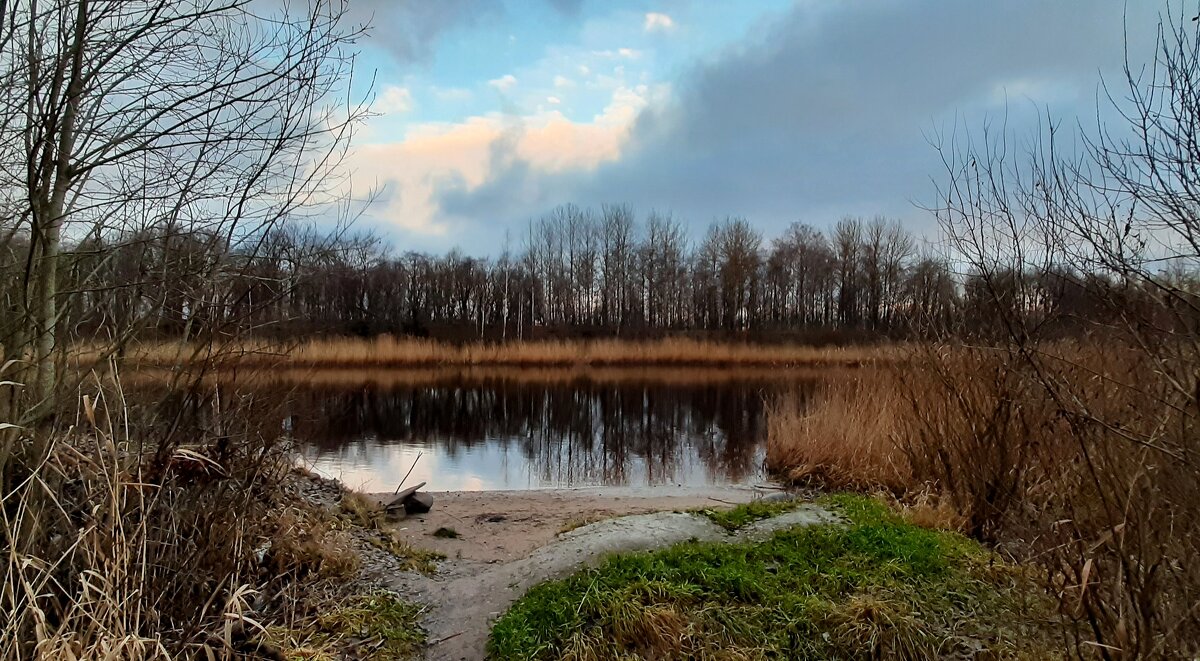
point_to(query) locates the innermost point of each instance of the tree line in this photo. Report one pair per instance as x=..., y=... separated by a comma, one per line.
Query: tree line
x=576, y=271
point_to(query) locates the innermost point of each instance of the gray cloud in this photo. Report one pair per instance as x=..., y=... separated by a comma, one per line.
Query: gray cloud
x=567, y=7
x=828, y=111
x=410, y=28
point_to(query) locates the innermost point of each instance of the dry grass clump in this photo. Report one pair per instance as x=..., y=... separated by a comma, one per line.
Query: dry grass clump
x=376, y=625
x=361, y=511
x=930, y=510
x=389, y=351
x=842, y=437
x=115, y=550
x=578, y=522
x=306, y=543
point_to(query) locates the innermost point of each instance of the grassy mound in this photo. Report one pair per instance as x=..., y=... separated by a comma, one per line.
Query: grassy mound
x=874, y=588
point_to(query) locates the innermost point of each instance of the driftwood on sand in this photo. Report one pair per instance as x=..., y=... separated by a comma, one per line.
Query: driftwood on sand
x=412, y=501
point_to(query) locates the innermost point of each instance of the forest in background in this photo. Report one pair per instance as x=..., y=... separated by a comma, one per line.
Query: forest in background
x=580, y=273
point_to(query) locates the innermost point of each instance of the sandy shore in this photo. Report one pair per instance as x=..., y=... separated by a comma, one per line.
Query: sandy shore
x=500, y=526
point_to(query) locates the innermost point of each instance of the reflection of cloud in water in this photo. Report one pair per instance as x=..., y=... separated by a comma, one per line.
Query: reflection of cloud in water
x=529, y=436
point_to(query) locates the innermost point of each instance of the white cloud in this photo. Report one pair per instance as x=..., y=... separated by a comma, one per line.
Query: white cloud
x=584, y=70
x=452, y=94
x=1039, y=89
x=503, y=83
x=562, y=82
x=393, y=100
x=553, y=100
x=626, y=53
x=431, y=156
x=656, y=22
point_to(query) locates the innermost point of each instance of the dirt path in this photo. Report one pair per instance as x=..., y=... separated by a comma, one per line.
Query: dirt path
x=492, y=564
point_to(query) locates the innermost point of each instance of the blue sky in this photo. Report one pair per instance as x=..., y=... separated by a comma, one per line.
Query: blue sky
x=491, y=113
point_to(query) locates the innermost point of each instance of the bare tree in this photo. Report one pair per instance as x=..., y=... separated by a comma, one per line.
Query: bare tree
x=618, y=252
x=848, y=238
x=204, y=118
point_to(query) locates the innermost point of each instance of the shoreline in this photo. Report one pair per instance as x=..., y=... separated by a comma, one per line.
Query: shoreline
x=501, y=526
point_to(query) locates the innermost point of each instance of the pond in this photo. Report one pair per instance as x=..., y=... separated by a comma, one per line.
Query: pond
x=470, y=434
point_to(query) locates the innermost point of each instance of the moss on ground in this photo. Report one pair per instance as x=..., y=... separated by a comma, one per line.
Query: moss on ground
x=410, y=557
x=743, y=515
x=873, y=588
x=377, y=626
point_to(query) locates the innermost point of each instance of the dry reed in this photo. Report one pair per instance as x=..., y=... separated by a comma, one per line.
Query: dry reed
x=119, y=552
x=840, y=438
x=390, y=352
x=341, y=377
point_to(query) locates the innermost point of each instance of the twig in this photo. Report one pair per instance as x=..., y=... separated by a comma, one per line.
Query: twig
x=405, y=478
x=439, y=641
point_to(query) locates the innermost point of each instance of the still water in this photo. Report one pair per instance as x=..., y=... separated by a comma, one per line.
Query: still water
x=523, y=435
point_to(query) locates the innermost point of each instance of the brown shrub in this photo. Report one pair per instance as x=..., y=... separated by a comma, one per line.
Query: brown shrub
x=976, y=428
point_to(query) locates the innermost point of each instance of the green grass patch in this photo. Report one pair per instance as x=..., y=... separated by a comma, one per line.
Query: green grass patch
x=743, y=515
x=446, y=533
x=873, y=588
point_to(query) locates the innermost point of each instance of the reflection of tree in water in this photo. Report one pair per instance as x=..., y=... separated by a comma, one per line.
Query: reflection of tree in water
x=585, y=433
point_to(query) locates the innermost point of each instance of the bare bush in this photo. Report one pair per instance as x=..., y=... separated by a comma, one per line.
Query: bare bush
x=975, y=426
x=1108, y=500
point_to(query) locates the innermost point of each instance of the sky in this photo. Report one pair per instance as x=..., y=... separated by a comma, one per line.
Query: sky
x=489, y=113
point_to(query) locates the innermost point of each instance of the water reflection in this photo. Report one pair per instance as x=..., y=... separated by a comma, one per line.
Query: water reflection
x=518, y=435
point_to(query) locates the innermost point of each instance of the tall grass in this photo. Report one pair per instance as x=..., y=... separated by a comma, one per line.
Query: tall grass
x=115, y=549
x=842, y=436
x=388, y=351
x=79, y=596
